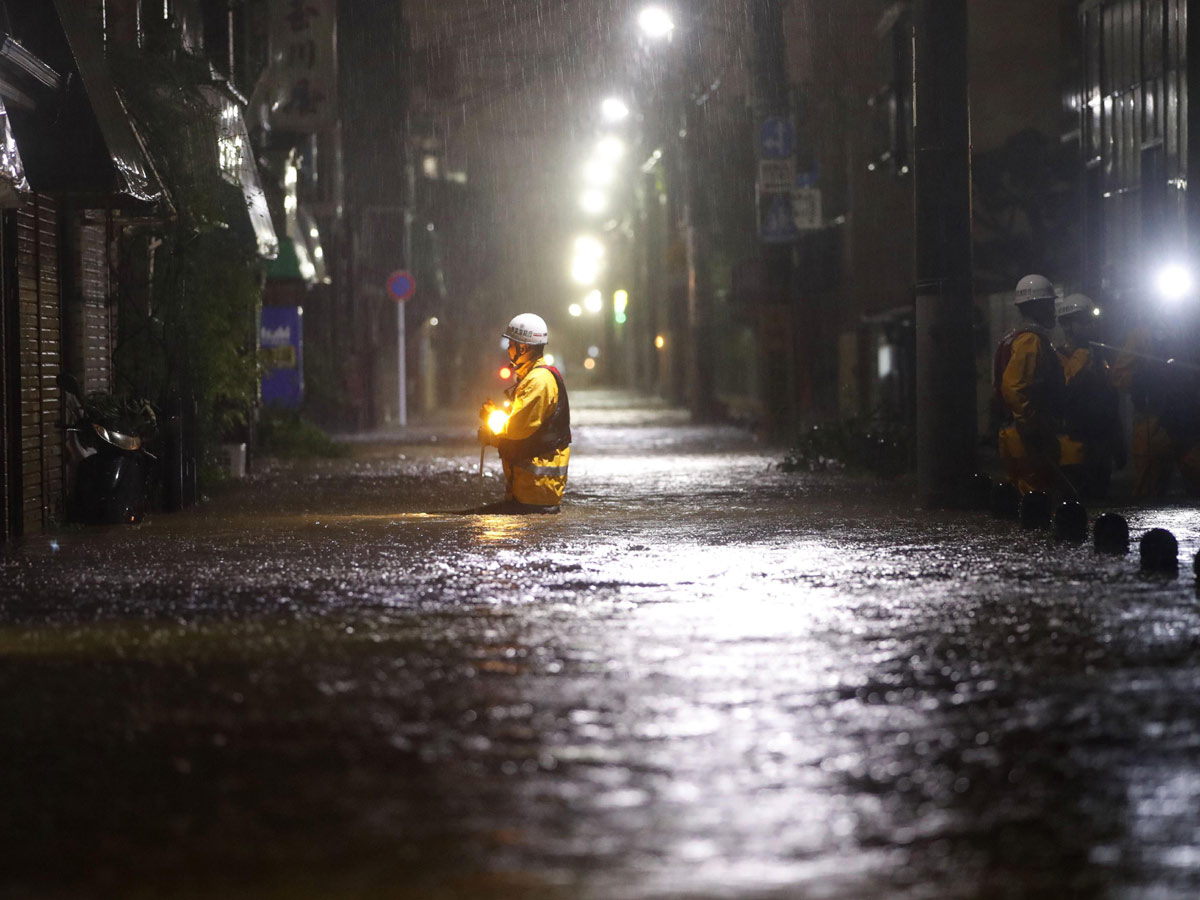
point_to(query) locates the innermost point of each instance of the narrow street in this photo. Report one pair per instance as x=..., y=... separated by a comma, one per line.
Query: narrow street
x=705, y=678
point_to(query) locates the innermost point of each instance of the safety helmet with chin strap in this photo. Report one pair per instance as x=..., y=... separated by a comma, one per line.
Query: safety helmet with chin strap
x=527, y=328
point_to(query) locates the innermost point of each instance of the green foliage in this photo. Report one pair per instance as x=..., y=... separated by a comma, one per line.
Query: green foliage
x=286, y=434
x=193, y=283
x=862, y=444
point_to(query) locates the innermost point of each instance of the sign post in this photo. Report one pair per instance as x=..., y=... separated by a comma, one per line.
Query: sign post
x=401, y=285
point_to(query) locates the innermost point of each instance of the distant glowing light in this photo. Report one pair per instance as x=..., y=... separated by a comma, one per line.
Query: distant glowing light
x=599, y=173
x=589, y=363
x=549, y=357
x=593, y=202
x=610, y=147
x=620, y=304
x=614, y=109
x=1174, y=282
x=505, y=373
x=593, y=302
x=660, y=342
x=593, y=351
x=575, y=310
x=433, y=321
x=655, y=22
x=1095, y=310
x=585, y=271
x=587, y=247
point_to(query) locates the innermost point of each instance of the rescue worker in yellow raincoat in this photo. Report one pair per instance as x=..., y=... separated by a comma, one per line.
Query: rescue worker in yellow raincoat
x=534, y=439
x=1166, y=406
x=1093, y=441
x=1027, y=380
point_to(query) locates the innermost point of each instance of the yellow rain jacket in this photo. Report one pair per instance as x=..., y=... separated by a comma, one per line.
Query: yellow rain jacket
x=1028, y=381
x=538, y=479
x=1155, y=453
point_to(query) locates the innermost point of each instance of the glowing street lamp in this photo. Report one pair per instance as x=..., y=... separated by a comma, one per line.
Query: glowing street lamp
x=593, y=302
x=593, y=201
x=598, y=173
x=610, y=148
x=614, y=109
x=655, y=22
x=585, y=271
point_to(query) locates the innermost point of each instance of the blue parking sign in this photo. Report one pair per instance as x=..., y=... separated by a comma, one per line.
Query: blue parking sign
x=776, y=138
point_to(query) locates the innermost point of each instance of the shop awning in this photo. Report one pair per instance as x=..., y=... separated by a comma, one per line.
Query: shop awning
x=75, y=138
x=237, y=165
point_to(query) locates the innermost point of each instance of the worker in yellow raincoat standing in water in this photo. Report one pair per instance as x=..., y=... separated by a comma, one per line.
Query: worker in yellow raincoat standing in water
x=533, y=434
x=1028, y=384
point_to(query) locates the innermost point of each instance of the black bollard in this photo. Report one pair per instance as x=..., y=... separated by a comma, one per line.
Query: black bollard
x=1160, y=551
x=1006, y=500
x=1110, y=534
x=981, y=491
x=1035, y=510
x=1070, y=521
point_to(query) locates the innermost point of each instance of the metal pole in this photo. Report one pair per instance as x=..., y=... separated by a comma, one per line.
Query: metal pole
x=697, y=240
x=401, y=366
x=946, y=427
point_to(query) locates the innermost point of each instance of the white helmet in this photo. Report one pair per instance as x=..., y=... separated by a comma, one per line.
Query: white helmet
x=1034, y=287
x=527, y=328
x=1075, y=303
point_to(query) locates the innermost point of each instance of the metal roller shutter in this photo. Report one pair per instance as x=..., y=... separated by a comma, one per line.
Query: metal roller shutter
x=40, y=331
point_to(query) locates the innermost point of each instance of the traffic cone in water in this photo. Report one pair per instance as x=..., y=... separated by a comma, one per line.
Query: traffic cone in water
x=1070, y=521
x=1110, y=534
x=1160, y=551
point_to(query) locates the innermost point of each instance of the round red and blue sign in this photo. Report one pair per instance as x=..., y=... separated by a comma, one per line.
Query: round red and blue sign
x=401, y=285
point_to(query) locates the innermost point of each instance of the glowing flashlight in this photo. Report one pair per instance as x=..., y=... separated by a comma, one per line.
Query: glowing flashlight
x=496, y=420
x=1174, y=282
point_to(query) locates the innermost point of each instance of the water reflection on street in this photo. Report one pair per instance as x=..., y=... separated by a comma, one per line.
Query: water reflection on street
x=704, y=678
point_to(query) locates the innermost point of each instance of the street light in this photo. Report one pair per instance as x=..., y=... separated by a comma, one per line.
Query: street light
x=593, y=201
x=610, y=148
x=584, y=270
x=614, y=109
x=655, y=22
x=598, y=173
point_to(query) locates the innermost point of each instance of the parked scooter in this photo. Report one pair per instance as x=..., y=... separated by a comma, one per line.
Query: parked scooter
x=108, y=465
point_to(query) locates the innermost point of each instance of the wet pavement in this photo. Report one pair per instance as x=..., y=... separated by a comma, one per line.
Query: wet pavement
x=705, y=678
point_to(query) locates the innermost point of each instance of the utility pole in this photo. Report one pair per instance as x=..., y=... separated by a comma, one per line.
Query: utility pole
x=946, y=428
x=777, y=322
x=697, y=226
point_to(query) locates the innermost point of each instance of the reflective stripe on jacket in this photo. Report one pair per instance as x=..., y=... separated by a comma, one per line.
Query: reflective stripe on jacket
x=539, y=479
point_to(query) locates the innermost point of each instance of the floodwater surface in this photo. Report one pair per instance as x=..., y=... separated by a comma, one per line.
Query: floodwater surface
x=706, y=677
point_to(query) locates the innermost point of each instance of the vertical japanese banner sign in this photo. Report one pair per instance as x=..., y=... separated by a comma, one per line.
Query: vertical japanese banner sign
x=281, y=339
x=304, y=60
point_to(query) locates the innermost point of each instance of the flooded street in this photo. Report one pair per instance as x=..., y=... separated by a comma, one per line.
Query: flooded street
x=704, y=678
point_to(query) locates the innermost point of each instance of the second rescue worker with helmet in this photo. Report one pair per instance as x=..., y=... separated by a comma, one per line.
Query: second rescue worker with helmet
x=1093, y=439
x=1027, y=379
x=534, y=440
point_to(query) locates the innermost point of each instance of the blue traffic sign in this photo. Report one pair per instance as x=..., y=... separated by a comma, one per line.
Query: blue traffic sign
x=401, y=285
x=777, y=224
x=776, y=138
